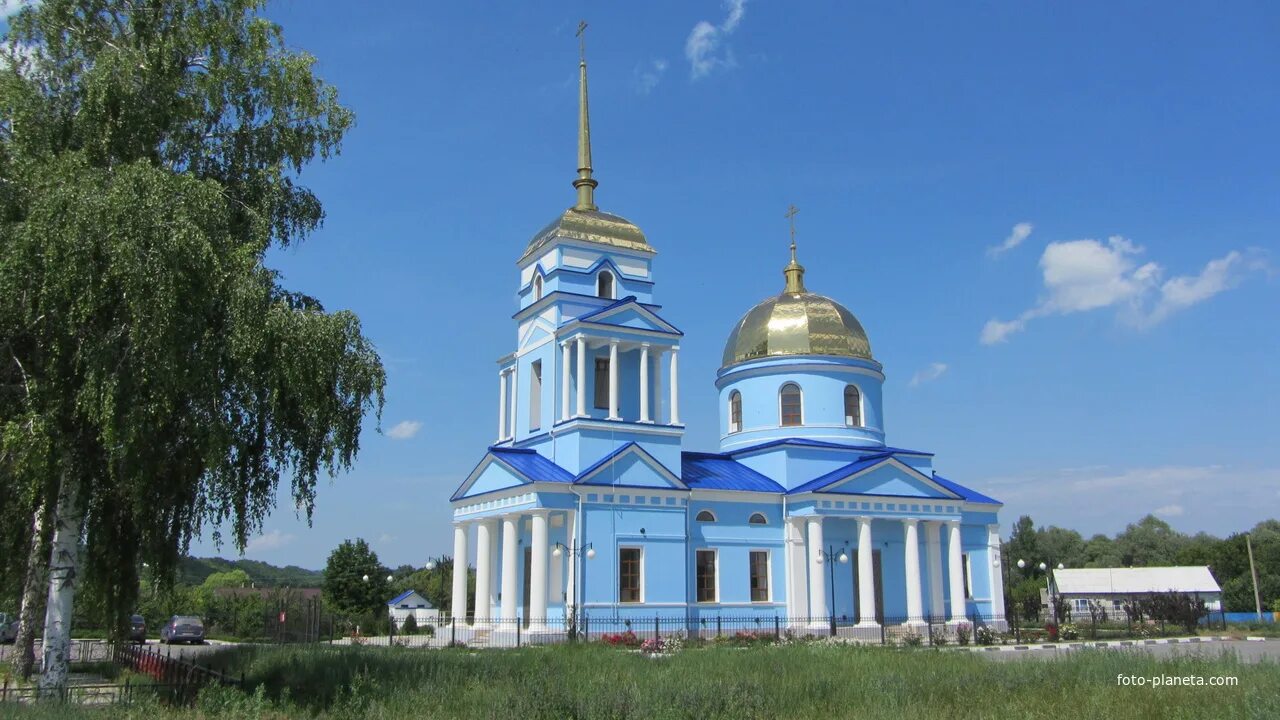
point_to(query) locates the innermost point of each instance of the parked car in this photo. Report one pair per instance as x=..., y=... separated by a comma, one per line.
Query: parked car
x=8, y=628
x=138, y=629
x=183, y=628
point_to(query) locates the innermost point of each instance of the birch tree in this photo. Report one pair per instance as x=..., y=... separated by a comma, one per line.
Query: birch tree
x=156, y=379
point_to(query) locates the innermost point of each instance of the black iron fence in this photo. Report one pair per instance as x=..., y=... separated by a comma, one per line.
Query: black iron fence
x=635, y=629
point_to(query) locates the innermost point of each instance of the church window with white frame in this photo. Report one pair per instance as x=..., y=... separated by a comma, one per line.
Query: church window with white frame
x=735, y=412
x=537, y=288
x=707, y=579
x=705, y=516
x=630, y=575
x=852, y=406
x=604, y=284
x=790, y=405
x=759, y=560
x=757, y=519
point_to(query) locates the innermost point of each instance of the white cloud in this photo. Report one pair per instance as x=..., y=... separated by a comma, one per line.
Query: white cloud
x=1085, y=275
x=404, y=430
x=1106, y=499
x=8, y=8
x=929, y=374
x=273, y=540
x=705, y=42
x=649, y=75
x=386, y=539
x=1020, y=232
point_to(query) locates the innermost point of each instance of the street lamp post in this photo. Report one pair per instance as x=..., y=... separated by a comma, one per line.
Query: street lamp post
x=1048, y=589
x=830, y=558
x=574, y=552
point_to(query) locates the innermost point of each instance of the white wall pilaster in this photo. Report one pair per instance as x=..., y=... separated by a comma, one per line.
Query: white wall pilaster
x=955, y=571
x=566, y=361
x=644, y=383
x=458, y=606
x=817, y=578
x=502, y=405
x=933, y=542
x=997, y=571
x=675, y=385
x=613, y=380
x=582, y=376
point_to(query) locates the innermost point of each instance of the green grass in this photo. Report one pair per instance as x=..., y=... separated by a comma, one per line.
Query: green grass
x=802, y=681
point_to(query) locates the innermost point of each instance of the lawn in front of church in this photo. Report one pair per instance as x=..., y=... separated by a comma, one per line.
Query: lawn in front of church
x=792, y=681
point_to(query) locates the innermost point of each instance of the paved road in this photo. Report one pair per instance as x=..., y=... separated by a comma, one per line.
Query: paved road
x=1247, y=651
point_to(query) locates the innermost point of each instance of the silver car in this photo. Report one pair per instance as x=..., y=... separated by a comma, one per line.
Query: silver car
x=183, y=628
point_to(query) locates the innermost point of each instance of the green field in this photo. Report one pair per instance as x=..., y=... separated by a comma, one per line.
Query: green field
x=798, y=681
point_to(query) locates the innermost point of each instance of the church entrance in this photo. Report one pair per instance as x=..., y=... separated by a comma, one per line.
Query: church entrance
x=879, y=588
x=528, y=574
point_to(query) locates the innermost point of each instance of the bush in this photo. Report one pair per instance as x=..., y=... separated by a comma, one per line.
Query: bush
x=410, y=626
x=937, y=636
x=912, y=639
x=962, y=633
x=985, y=636
x=1069, y=632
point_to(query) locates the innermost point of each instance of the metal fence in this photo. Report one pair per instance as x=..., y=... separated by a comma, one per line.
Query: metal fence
x=635, y=629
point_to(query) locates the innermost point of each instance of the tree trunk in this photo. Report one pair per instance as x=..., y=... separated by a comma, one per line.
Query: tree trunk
x=64, y=556
x=34, y=581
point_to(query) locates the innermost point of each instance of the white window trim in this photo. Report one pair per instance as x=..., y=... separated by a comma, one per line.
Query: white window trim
x=862, y=410
x=618, y=585
x=779, y=395
x=698, y=515
x=537, y=287
x=768, y=574
x=738, y=394
x=762, y=516
x=613, y=285
x=716, y=552
x=535, y=395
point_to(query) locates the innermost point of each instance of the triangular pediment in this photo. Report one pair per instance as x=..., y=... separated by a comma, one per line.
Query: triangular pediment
x=505, y=468
x=889, y=477
x=630, y=314
x=630, y=466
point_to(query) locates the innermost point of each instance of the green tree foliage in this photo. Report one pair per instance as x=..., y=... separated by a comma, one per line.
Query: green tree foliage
x=1150, y=542
x=151, y=366
x=410, y=626
x=1101, y=552
x=345, y=585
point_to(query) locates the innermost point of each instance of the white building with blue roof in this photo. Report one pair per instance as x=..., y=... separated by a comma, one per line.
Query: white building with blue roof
x=586, y=507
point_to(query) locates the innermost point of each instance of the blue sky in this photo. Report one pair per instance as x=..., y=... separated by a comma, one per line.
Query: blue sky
x=1058, y=224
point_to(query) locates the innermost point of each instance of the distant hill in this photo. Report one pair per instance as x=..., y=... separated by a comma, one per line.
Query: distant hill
x=193, y=571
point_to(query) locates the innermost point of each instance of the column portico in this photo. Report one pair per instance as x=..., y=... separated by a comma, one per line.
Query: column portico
x=955, y=572
x=644, y=383
x=613, y=380
x=817, y=581
x=675, y=385
x=510, y=538
x=915, y=614
x=566, y=361
x=657, y=384
x=933, y=543
x=582, y=377
x=458, y=605
x=866, y=576
x=502, y=405
x=485, y=531
x=538, y=569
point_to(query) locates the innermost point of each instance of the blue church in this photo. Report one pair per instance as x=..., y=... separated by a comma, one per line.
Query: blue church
x=586, y=504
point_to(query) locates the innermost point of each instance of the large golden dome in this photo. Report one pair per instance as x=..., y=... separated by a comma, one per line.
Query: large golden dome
x=797, y=322
x=591, y=226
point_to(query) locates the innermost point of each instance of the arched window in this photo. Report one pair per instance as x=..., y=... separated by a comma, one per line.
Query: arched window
x=604, y=284
x=757, y=519
x=791, y=405
x=705, y=516
x=852, y=406
x=735, y=411
x=537, y=288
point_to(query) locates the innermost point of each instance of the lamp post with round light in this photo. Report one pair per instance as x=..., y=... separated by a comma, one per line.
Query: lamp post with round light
x=574, y=552
x=1048, y=588
x=830, y=557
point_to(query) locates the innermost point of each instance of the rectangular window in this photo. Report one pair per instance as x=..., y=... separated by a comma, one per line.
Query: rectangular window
x=706, y=563
x=535, y=395
x=602, y=384
x=759, y=576
x=629, y=575
x=968, y=575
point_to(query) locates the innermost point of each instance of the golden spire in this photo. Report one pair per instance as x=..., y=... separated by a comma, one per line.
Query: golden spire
x=584, y=183
x=794, y=271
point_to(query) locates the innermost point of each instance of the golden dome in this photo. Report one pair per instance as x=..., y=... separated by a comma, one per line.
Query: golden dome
x=797, y=322
x=592, y=226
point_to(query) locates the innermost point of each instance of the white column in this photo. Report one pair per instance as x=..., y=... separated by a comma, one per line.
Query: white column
x=510, y=539
x=797, y=578
x=459, y=604
x=566, y=360
x=915, y=613
x=866, y=575
x=675, y=386
x=514, y=393
x=933, y=542
x=997, y=572
x=955, y=571
x=644, y=383
x=571, y=564
x=582, y=376
x=613, y=380
x=484, y=570
x=657, y=385
x=538, y=572
x=817, y=580
x=502, y=405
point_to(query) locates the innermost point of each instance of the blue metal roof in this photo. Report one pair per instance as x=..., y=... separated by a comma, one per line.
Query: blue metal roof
x=628, y=300
x=610, y=457
x=803, y=442
x=839, y=473
x=533, y=466
x=711, y=471
x=402, y=596
x=964, y=492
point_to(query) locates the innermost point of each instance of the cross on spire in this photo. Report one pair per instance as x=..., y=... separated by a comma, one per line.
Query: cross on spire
x=582, y=40
x=791, y=216
x=794, y=272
